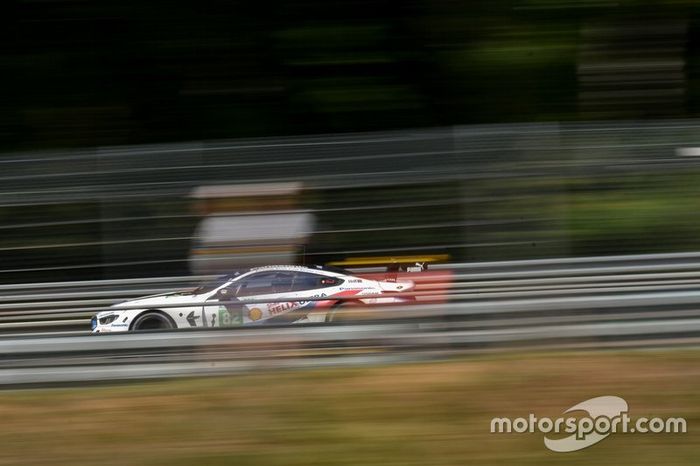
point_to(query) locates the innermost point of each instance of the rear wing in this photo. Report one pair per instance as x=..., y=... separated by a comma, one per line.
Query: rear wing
x=393, y=263
x=431, y=287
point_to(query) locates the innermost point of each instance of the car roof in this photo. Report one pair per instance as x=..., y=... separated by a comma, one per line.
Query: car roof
x=303, y=268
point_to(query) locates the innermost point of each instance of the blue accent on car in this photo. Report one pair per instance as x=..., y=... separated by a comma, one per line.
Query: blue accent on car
x=93, y=322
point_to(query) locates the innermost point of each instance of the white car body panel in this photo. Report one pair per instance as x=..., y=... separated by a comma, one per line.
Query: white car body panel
x=189, y=310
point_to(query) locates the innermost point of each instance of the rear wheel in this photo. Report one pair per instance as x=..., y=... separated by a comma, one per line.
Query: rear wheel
x=338, y=313
x=152, y=321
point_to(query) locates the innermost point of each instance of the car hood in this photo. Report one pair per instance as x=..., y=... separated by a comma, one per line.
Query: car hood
x=164, y=299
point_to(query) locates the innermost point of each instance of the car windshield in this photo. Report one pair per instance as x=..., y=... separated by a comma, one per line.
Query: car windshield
x=211, y=285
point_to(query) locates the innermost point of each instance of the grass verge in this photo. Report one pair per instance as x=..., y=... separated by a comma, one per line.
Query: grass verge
x=414, y=414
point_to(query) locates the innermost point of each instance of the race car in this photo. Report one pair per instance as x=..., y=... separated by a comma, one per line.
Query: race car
x=261, y=295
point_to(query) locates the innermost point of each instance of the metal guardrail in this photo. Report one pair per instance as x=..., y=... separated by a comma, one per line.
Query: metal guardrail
x=580, y=302
x=68, y=306
x=155, y=355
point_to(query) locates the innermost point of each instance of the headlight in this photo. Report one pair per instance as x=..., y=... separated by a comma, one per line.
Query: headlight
x=93, y=323
x=108, y=319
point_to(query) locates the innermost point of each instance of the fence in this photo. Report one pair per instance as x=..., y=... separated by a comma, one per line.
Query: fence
x=478, y=193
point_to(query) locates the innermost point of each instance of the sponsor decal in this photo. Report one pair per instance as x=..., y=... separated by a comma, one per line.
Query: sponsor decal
x=255, y=314
x=279, y=308
x=192, y=319
x=316, y=296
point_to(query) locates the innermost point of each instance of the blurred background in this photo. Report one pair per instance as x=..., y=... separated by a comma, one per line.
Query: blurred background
x=484, y=130
x=518, y=143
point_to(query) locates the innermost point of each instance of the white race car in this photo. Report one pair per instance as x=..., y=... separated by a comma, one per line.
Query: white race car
x=271, y=294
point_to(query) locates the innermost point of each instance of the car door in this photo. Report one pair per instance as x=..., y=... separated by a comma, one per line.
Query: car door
x=305, y=296
x=311, y=289
x=252, y=299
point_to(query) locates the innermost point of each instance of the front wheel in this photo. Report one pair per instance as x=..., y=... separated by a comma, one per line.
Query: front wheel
x=152, y=321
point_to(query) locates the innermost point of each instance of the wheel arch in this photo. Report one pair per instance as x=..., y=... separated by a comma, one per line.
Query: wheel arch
x=342, y=304
x=152, y=311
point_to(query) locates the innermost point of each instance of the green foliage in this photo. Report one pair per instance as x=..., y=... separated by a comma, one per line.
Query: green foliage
x=113, y=72
x=638, y=214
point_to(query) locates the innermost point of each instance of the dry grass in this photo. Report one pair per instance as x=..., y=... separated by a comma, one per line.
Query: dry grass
x=420, y=414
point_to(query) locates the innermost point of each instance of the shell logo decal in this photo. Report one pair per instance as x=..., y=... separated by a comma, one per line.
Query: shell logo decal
x=255, y=313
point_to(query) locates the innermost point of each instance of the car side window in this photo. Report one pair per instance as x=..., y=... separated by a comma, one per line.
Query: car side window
x=309, y=281
x=264, y=283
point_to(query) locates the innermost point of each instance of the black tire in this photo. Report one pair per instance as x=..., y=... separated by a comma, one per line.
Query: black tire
x=152, y=321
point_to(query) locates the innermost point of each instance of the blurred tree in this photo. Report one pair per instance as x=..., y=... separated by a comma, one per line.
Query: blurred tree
x=78, y=73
